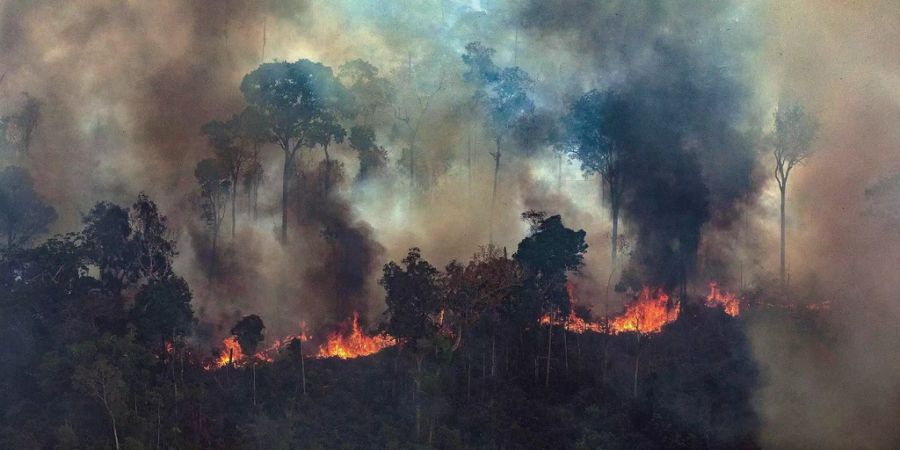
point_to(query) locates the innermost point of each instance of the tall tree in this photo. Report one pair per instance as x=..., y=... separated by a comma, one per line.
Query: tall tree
x=369, y=91
x=254, y=133
x=546, y=255
x=507, y=102
x=794, y=132
x=414, y=305
x=595, y=137
x=248, y=332
x=292, y=98
x=323, y=132
x=23, y=213
x=227, y=140
x=372, y=158
x=214, y=191
x=162, y=310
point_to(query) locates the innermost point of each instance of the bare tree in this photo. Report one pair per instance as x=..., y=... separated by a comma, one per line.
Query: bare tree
x=794, y=132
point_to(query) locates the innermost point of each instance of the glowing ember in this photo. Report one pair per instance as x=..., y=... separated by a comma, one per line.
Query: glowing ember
x=648, y=313
x=355, y=344
x=719, y=299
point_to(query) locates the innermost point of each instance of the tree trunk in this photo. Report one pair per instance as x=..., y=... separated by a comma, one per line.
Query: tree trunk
x=254, y=379
x=327, y=170
x=549, y=349
x=637, y=365
x=416, y=399
x=212, y=259
x=233, y=198
x=497, y=157
x=493, y=355
x=302, y=368
x=783, y=269
x=614, y=239
x=285, y=180
x=115, y=430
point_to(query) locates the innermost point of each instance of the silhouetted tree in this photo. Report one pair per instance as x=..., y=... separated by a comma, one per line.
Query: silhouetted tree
x=248, y=332
x=414, y=304
x=595, y=137
x=506, y=102
x=794, y=132
x=369, y=91
x=546, y=255
x=292, y=98
x=23, y=213
x=214, y=191
x=372, y=158
x=162, y=310
x=227, y=141
x=323, y=132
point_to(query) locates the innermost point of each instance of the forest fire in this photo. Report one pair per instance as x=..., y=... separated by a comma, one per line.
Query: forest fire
x=720, y=299
x=230, y=353
x=353, y=344
x=348, y=342
x=648, y=313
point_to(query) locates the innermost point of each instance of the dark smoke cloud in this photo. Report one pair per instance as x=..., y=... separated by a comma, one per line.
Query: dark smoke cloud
x=687, y=103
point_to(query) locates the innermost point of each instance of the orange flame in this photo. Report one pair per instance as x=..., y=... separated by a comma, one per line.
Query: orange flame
x=231, y=352
x=648, y=313
x=354, y=344
x=572, y=323
x=724, y=300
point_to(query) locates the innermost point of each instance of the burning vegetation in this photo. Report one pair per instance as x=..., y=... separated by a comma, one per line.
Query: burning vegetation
x=347, y=341
x=314, y=180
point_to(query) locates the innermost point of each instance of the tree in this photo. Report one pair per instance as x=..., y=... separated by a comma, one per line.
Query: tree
x=214, y=191
x=413, y=298
x=507, y=102
x=323, y=132
x=291, y=99
x=794, y=132
x=227, y=141
x=254, y=133
x=595, y=137
x=23, y=213
x=546, y=255
x=248, y=332
x=162, y=310
x=17, y=130
x=372, y=158
x=104, y=382
x=369, y=91
x=150, y=233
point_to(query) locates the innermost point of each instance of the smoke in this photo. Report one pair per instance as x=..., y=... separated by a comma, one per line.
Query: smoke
x=125, y=87
x=690, y=163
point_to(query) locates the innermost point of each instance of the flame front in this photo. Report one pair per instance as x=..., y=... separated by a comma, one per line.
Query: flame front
x=355, y=344
x=724, y=300
x=231, y=352
x=646, y=314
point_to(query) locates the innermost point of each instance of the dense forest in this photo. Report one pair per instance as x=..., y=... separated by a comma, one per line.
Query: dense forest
x=450, y=224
